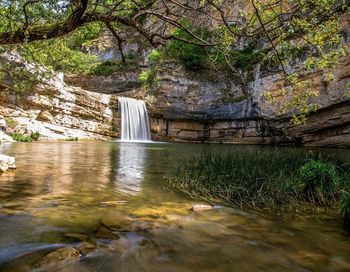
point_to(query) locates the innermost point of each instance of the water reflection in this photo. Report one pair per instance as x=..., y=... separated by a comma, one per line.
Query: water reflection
x=130, y=168
x=75, y=189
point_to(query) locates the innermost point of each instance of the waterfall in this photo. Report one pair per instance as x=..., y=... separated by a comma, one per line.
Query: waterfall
x=134, y=124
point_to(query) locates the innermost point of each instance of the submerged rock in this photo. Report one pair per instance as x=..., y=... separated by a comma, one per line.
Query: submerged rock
x=85, y=248
x=60, y=255
x=201, y=207
x=105, y=233
x=7, y=162
x=81, y=237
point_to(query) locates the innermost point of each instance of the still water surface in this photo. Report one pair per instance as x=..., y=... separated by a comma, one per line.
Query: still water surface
x=64, y=191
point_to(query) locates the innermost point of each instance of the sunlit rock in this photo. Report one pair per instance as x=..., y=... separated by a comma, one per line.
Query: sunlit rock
x=7, y=162
x=60, y=255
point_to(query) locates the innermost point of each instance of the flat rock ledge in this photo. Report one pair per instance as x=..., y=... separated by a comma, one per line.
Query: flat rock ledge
x=7, y=162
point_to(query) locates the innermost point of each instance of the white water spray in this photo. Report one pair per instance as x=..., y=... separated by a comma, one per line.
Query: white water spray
x=134, y=120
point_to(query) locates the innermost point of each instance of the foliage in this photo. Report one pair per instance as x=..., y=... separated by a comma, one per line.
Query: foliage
x=154, y=56
x=147, y=77
x=16, y=78
x=247, y=58
x=286, y=30
x=319, y=180
x=64, y=54
x=61, y=54
x=105, y=68
x=10, y=122
x=193, y=56
x=34, y=136
x=262, y=179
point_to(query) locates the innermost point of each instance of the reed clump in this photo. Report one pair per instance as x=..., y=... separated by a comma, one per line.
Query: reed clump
x=268, y=179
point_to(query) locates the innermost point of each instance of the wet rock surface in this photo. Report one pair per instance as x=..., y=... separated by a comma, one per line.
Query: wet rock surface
x=65, y=254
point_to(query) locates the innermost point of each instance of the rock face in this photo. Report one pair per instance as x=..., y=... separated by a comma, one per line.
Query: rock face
x=190, y=109
x=112, y=84
x=58, y=111
x=202, y=107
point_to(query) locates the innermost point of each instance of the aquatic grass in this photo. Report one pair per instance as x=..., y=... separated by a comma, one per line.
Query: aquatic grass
x=266, y=179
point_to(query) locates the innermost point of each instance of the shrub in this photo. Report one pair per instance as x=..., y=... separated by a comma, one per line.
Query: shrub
x=147, y=77
x=319, y=180
x=10, y=122
x=21, y=138
x=154, y=56
x=105, y=68
x=247, y=58
x=193, y=56
x=34, y=136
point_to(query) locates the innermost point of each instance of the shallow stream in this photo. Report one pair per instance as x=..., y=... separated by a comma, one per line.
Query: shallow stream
x=107, y=200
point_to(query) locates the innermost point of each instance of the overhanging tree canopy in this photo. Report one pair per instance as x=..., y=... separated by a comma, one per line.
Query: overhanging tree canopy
x=274, y=31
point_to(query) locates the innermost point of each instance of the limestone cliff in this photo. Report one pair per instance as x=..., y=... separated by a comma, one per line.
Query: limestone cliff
x=58, y=111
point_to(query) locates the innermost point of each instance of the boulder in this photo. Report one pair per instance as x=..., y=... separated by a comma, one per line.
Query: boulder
x=5, y=138
x=7, y=162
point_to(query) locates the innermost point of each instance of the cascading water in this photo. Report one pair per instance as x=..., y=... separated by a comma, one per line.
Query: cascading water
x=134, y=120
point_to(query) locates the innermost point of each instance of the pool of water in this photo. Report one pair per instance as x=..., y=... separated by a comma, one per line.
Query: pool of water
x=108, y=200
